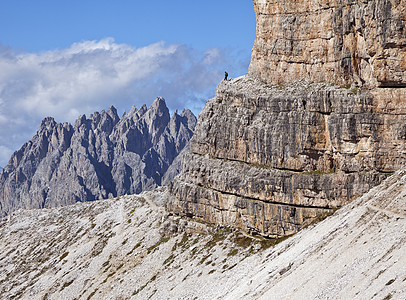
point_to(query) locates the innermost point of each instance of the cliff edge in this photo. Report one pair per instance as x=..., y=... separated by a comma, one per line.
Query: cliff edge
x=277, y=148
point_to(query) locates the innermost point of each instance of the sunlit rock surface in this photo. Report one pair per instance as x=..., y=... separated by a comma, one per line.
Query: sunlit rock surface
x=318, y=120
x=340, y=41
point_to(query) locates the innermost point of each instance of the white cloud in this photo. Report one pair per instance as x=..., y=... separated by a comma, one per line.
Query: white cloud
x=92, y=75
x=49, y=83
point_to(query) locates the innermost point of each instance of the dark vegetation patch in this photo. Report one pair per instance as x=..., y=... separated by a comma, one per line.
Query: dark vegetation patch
x=390, y=282
x=153, y=278
x=163, y=240
x=64, y=255
x=66, y=284
x=101, y=243
x=91, y=294
x=169, y=260
x=321, y=217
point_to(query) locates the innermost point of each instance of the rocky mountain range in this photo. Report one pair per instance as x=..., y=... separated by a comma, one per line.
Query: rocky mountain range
x=294, y=186
x=98, y=157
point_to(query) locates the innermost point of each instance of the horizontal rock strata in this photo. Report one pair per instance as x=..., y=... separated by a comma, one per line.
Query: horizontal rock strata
x=270, y=159
x=340, y=41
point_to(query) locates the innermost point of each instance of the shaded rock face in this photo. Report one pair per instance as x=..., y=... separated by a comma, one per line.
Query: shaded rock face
x=336, y=41
x=96, y=158
x=270, y=159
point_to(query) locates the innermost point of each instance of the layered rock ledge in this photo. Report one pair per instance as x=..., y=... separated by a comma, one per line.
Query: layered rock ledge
x=269, y=159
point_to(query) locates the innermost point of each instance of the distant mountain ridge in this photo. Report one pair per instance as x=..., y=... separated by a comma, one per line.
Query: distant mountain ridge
x=96, y=158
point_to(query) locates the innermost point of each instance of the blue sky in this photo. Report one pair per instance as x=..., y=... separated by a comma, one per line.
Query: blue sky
x=43, y=25
x=67, y=58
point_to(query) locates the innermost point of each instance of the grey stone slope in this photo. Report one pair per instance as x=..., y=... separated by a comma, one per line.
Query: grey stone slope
x=358, y=253
x=131, y=248
x=98, y=157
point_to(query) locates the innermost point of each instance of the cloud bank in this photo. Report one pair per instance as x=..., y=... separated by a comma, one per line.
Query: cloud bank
x=92, y=75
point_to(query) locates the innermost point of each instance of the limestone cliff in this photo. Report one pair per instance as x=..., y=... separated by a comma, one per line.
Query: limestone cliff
x=270, y=158
x=340, y=41
x=96, y=158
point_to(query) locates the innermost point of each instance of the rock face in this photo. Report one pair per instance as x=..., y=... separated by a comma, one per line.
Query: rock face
x=96, y=158
x=270, y=158
x=336, y=41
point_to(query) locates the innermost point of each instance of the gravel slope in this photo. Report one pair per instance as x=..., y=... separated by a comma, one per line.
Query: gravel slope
x=131, y=248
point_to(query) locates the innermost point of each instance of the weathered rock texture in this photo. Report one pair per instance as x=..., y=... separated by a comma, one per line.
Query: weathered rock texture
x=319, y=119
x=271, y=159
x=340, y=41
x=96, y=158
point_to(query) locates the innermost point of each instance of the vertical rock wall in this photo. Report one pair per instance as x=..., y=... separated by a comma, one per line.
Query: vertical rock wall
x=317, y=122
x=340, y=41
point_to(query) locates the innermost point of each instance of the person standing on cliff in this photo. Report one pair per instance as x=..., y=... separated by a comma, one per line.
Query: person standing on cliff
x=225, y=75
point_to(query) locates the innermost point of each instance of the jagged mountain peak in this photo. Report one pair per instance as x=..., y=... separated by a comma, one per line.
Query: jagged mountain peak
x=188, y=115
x=178, y=123
x=186, y=112
x=133, y=110
x=159, y=104
x=80, y=121
x=47, y=123
x=156, y=115
x=159, y=109
x=142, y=109
x=99, y=157
x=112, y=112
